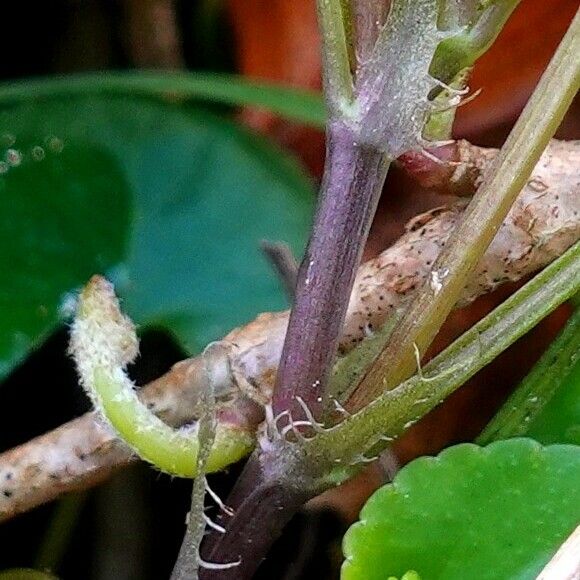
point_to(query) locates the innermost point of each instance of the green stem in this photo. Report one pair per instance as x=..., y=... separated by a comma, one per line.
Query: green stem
x=338, y=82
x=394, y=411
x=547, y=377
x=482, y=219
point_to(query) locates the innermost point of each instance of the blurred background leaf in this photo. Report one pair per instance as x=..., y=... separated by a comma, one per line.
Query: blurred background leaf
x=171, y=203
x=25, y=574
x=303, y=106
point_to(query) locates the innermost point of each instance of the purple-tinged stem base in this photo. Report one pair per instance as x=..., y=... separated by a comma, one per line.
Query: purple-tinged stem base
x=351, y=188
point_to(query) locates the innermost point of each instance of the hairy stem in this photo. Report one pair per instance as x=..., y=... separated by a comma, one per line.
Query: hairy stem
x=542, y=224
x=503, y=182
x=394, y=411
x=262, y=508
x=277, y=479
x=350, y=192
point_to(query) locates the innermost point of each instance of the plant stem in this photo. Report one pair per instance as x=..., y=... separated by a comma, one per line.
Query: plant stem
x=338, y=83
x=281, y=475
x=262, y=509
x=483, y=218
x=538, y=388
x=369, y=16
x=284, y=263
x=277, y=481
x=350, y=191
x=393, y=411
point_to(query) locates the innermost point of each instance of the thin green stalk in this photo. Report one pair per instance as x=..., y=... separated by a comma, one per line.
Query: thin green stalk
x=547, y=377
x=188, y=561
x=394, y=411
x=482, y=219
x=338, y=82
x=348, y=23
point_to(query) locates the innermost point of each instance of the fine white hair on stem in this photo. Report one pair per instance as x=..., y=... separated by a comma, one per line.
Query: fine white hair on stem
x=292, y=427
x=279, y=416
x=338, y=407
x=386, y=438
x=451, y=90
x=360, y=458
x=318, y=427
x=226, y=509
x=213, y=525
x=456, y=101
x=434, y=158
x=424, y=147
x=285, y=413
x=419, y=368
x=418, y=360
x=214, y=566
x=451, y=104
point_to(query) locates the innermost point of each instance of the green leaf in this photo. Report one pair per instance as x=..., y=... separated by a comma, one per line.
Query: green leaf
x=305, y=107
x=61, y=219
x=546, y=405
x=559, y=421
x=25, y=574
x=494, y=512
x=171, y=203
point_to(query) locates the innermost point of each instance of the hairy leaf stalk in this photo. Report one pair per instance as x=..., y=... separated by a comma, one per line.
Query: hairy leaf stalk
x=321, y=299
x=288, y=473
x=396, y=410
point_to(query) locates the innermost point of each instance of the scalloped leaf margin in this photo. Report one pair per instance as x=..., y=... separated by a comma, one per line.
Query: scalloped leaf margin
x=492, y=512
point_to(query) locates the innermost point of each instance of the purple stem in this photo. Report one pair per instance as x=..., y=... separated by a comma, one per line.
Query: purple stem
x=262, y=509
x=351, y=187
x=369, y=17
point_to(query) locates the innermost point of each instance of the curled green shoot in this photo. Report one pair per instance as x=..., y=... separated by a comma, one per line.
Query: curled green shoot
x=103, y=342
